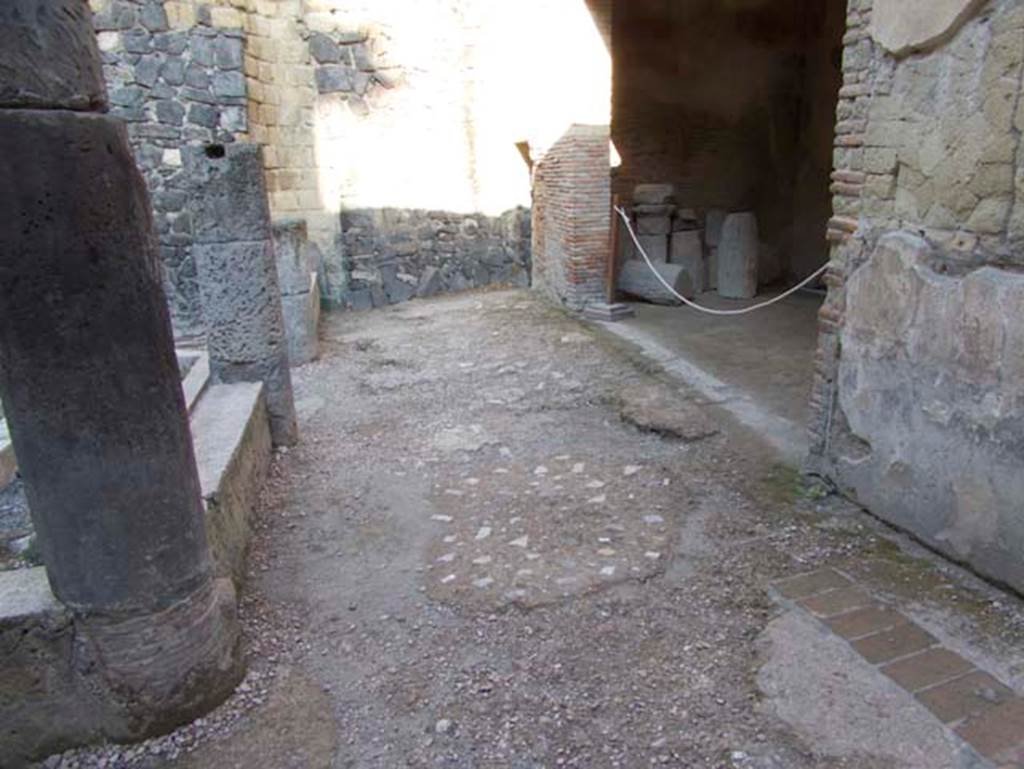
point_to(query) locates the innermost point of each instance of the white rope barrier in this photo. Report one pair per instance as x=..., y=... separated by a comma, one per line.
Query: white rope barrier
x=709, y=310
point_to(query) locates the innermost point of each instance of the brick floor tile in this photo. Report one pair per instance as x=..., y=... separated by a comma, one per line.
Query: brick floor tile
x=998, y=733
x=836, y=602
x=890, y=644
x=927, y=669
x=862, y=622
x=810, y=584
x=965, y=696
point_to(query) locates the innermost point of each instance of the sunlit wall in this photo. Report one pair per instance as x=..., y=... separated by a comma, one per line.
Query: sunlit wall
x=472, y=78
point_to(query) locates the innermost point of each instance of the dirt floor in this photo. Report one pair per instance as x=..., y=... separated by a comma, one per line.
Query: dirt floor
x=509, y=540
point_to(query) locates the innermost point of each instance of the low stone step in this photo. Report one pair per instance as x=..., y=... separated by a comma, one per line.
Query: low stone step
x=231, y=436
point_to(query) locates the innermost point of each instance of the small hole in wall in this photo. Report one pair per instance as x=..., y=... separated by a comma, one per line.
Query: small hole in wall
x=214, y=151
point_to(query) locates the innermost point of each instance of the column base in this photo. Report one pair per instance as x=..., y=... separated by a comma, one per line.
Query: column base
x=70, y=680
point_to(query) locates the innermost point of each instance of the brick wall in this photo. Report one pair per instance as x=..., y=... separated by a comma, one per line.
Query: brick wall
x=571, y=217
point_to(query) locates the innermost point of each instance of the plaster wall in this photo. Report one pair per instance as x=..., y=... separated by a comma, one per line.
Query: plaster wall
x=919, y=397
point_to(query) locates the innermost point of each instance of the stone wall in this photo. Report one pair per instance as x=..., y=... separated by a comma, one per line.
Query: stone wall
x=398, y=254
x=175, y=82
x=359, y=105
x=918, y=404
x=572, y=217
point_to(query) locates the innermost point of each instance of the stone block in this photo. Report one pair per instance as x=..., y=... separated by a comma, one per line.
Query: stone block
x=205, y=115
x=276, y=375
x=655, y=246
x=301, y=324
x=229, y=84
x=228, y=53
x=905, y=26
x=196, y=76
x=363, y=57
x=653, y=194
x=964, y=697
x=226, y=18
x=737, y=257
x=835, y=602
x=334, y=78
x=864, y=622
x=147, y=71
x=234, y=119
x=153, y=17
x=687, y=250
x=998, y=734
x=244, y=320
x=713, y=227
x=653, y=220
x=431, y=283
x=686, y=219
x=229, y=189
x=293, y=267
x=171, y=43
x=323, y=49
x=49, y=56
x=137, y=41
x=926, y=669
x=169, y=112
x=173, y=72
x=129, y=96
x=358, y=299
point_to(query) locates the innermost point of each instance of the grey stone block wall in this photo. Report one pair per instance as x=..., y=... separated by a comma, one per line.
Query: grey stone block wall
x=174, y=88
x=393, y=255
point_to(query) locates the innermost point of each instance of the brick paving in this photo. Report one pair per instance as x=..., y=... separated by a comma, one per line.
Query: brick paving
x=979, y=708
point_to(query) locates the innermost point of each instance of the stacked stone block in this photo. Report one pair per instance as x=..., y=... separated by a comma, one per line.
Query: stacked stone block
x=234, y=253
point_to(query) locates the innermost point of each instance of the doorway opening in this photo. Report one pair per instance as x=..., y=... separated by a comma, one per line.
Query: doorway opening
x=728, y=109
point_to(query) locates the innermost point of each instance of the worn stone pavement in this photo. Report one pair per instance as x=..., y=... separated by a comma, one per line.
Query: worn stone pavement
x=474, y=560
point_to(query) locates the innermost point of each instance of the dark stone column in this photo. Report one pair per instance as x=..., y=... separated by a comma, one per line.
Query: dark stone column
x=234, y=253
x=91, y=386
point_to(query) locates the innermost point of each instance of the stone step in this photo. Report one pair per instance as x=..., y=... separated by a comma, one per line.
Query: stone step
x=231, y=436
